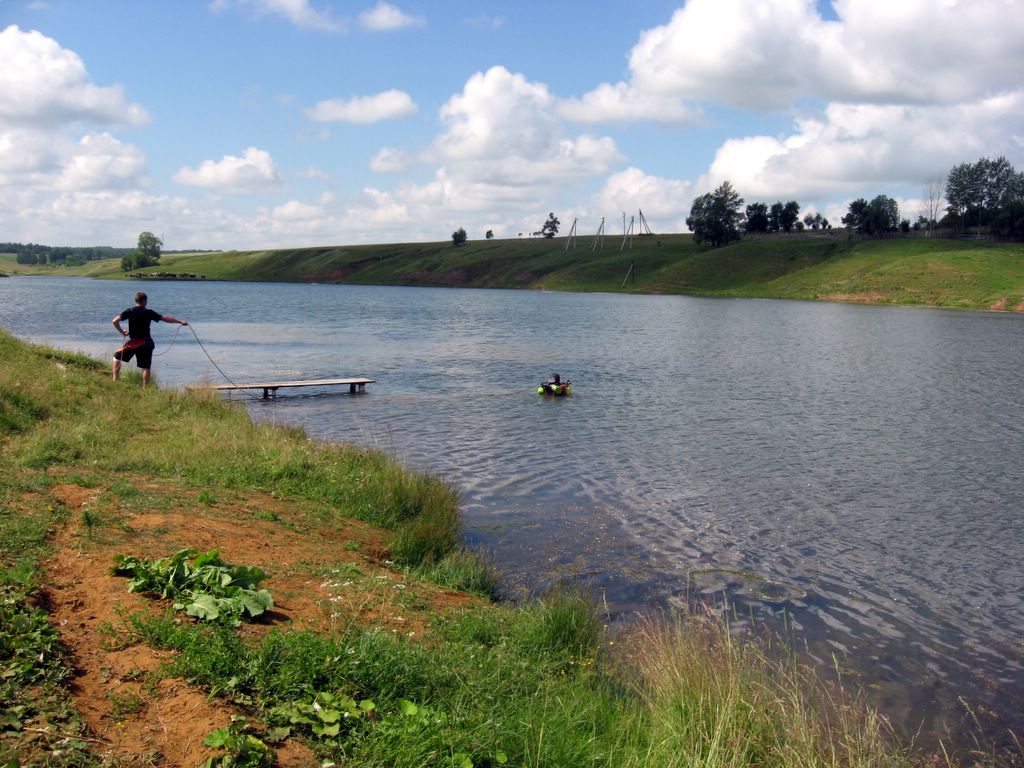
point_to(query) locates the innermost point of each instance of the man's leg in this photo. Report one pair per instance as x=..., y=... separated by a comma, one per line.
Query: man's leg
x=115, y=369
x=144, y=359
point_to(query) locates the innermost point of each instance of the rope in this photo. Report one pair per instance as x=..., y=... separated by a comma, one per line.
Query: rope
x=157, y=354
x=214, y=363
x=173, y=339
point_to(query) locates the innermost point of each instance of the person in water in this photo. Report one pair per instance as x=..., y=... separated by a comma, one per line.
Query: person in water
x=139, y=344
x=555, y=384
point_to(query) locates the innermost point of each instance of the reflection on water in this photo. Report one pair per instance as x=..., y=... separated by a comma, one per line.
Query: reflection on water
x=850, y=473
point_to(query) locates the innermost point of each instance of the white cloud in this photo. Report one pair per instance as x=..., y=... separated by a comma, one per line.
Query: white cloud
x=622, y=103
x=931, y=51
x=633, y=190
x=503, y=155
x=298, y=12
x=385, y=17
x=314, y=173
x=90, y=217
x=102, y=162
x=47, y=167
x=46, y=161
x=389, y=160
x=293, y=210
x=854, y=149
x=772, y=54
x=505, y=130
x=28, y=158
x=753, y=55
x=43, y=84
x=387, y=105
x=376, y=210
x=253, y=171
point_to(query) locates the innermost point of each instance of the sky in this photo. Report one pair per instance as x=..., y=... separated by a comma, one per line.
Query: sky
x=244, y=124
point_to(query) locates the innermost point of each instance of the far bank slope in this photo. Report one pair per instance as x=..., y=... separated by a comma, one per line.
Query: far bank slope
x=809, y=266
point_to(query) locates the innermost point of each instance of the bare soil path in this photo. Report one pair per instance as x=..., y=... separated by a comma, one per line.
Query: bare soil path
x=322, y=579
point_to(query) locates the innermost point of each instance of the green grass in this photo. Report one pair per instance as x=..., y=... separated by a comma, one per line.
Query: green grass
x=537, y=685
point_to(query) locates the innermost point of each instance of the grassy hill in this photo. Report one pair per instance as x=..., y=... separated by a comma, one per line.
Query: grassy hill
x=811, y=266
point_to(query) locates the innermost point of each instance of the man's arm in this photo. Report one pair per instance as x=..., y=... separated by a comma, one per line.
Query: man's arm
x=117, y=324
x=169, y=319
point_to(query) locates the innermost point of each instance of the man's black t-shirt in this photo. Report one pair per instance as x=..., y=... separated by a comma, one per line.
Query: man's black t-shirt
x=139, y=319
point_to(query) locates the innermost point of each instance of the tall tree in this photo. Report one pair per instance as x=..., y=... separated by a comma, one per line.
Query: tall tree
x=550, y=228
x=458, y=237
x=146, y=253
x=932, y=203
x=883, y=215
x=789, y=216
x=757, y=218
x=855, y=214
x=980, y=190
x=775, y=216
x=816, y=221
x=149, y=246
x=716, y=217
x=963, y=189
x=1009, y=221
x=998, y=176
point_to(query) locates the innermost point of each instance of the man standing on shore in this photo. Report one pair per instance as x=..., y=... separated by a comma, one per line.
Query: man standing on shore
x=140, y=344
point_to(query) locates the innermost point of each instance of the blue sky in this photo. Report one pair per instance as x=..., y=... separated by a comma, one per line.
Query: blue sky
x=265, y=123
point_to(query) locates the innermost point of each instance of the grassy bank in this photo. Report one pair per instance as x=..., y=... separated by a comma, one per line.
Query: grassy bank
x=372, y=655
x=810, y=266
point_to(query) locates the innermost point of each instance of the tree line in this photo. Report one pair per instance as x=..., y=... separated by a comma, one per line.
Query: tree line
x=146, y=253
x=34, y=253
x=718, y=218
x=988, y=193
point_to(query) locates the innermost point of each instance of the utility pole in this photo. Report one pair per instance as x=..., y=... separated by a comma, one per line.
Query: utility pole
x=627, y=235
x=599, y=237
x=572, y=236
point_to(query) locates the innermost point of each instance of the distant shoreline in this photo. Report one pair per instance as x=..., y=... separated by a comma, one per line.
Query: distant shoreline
x=913, y=271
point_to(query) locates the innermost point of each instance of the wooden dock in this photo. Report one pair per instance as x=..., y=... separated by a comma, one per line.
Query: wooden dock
x=354, y=385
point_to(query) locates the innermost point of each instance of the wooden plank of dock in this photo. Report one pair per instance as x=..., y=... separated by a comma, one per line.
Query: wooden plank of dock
x=354, y=385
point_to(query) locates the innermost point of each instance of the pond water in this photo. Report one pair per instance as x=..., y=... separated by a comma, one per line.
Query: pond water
x=850, y=476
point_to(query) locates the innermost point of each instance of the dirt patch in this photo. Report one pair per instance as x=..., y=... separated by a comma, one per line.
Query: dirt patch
x=866, y=297
x=1001, y=305
x=321, y=579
